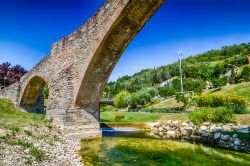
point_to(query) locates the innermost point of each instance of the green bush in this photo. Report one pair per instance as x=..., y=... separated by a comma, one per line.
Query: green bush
x=245, y=74
x=166, y=92
x=214, y=115
x=237, y=103
x=121, y=99
x=107, y=108
x=119, y=116
x=219, y=82
x=142, y=97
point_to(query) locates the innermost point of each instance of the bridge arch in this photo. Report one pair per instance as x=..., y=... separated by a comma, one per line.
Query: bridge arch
x=127, y=25
x=32, y=99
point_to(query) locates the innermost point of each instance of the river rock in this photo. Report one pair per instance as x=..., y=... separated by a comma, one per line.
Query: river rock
x=202, y=128
x=243, y=129
x=205, y=134
x=225, y=137
x=206, y=123
x=217, y=128
x=171, y=133
x=184, y=124
x=237, y=142
x=217, y=135
x=189, y=130
x=235, y=136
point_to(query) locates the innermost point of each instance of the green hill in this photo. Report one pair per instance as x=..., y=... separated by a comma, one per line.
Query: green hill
x=208, y=66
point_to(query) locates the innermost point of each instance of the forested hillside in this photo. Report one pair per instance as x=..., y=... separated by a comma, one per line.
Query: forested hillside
x=212, y=66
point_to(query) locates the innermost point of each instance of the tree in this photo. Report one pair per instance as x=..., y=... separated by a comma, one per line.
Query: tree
x=10, y=74
x=121, y=99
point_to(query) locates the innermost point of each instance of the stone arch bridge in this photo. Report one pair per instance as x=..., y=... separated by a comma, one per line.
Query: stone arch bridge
x=79, y=65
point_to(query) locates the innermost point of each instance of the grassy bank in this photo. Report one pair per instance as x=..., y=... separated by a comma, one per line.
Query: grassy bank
x=10, y=117
x=163, y=117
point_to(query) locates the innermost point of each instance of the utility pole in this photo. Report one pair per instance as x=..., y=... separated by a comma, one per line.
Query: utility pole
x=180, y=53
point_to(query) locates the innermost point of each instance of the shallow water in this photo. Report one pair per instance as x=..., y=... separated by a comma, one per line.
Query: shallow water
x=132, y=147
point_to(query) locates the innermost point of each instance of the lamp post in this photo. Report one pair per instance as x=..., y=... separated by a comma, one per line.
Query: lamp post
x=180, y=53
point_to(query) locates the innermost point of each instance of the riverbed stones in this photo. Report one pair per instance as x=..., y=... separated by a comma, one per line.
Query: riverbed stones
x=207, y=133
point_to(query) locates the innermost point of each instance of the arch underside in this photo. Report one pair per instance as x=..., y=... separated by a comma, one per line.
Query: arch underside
x=130, y=21
x=33, y=98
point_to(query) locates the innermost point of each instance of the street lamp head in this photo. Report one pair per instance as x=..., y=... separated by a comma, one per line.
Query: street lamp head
x=180, y=53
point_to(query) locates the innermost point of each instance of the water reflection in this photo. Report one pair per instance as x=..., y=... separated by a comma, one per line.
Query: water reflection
x=131, y=146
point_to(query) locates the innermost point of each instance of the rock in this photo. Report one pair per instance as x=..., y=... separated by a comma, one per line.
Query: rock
x=202, y=128
x=243, y=129
x=206, y=123
x=237, y=142
x=217, y=135
x=184, y=124
x=225, y=137
x=217, y=129
x=169, y=121
x=236, y=148
x=175, y=123
x=235, y=136
x=160, y=129
x=205, y=134
x=184, y=132
x=171, y=133
x=189, y=130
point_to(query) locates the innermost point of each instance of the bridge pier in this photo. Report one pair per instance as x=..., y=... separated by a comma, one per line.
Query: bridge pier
x=77, y=123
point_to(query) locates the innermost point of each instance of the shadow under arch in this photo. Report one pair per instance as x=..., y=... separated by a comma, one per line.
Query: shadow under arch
x=33, y=97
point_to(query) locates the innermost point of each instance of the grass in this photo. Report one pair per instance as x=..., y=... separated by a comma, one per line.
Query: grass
x=130, y=117
x=13, y=120
x=167, y=103
x=137, y=117
x=142, y=151
x=242, y=89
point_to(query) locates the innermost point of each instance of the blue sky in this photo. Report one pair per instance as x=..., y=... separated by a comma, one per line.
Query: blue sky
x=29, y=27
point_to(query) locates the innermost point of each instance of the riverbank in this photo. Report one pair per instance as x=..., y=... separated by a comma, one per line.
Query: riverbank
x=226, y=136
x=30, y=139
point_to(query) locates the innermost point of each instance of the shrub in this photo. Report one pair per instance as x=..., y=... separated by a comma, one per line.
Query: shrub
x=245, y=74
x=166, y=92
x=142, y=97
x=107, y=108
x=187, y=99
x=119, y=116
x=121, y=99
x=215, y=115
x=235, y=102
x=219, y=82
